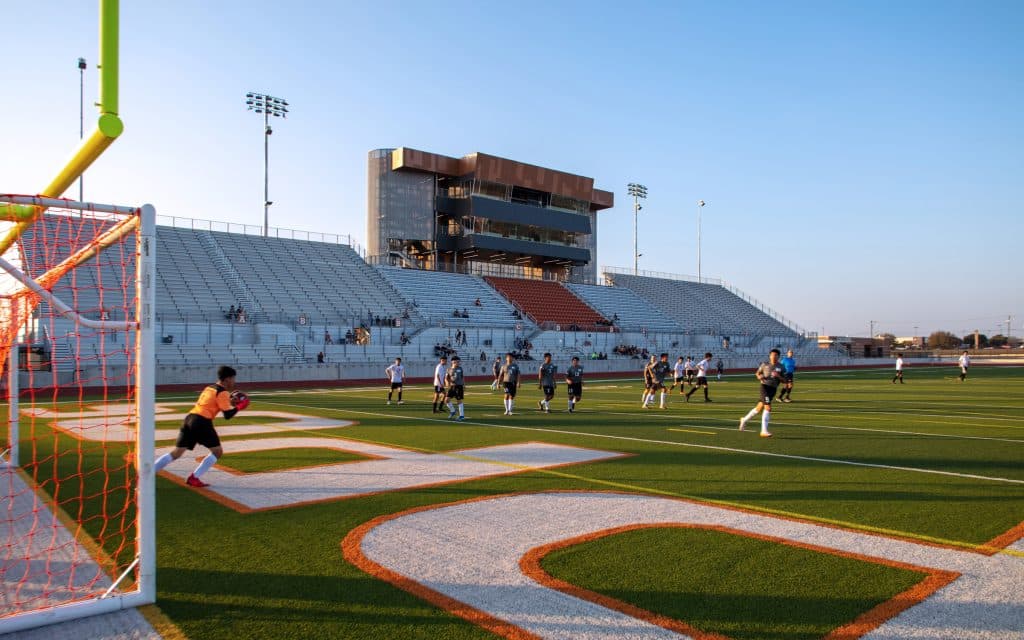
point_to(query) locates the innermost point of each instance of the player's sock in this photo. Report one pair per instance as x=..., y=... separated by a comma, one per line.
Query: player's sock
x=399, y=395
x=389, y=396
x=205, y=465
x=706, y=393
x=570, y=404
x=750, y=414
x=462, y=410
x=162, y=462
x=766, y=417
x=662, y=400
x=451, y=409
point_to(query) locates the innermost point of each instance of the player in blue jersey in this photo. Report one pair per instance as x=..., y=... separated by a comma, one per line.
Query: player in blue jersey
x=789, y=368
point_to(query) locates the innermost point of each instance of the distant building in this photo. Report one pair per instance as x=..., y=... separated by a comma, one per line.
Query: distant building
x=482, y=214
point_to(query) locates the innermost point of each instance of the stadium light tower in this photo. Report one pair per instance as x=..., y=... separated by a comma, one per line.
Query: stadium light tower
x=81, y=119
x=700, y=206
x=268, y=106
x=637, y=191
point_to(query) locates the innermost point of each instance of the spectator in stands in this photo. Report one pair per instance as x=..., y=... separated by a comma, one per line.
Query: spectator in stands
x=327, y=337
x=403, y=339
x=241, y=316
x=515, y=312
x=465, y=312
x=320, y=358
x=231, y=313
x=349, y=338
x=477, y=303
x=405, y=313
x=483, y=357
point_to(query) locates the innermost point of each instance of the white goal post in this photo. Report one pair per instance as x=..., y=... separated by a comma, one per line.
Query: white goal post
x=77, y=314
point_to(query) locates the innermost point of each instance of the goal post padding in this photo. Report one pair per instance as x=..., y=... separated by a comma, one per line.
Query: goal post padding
x=76, y=333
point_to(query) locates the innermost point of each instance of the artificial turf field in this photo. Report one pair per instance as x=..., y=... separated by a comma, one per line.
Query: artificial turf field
x=933, y=460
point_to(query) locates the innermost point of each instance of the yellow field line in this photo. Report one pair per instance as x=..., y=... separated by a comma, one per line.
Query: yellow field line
x=706, y=433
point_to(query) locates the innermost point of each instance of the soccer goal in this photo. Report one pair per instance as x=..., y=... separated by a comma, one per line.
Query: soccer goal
x=76, y=475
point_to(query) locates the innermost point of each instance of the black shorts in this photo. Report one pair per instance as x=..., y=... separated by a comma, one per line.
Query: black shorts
x=656, y=385
x=788, y=377
x=648, y=384
x=702, y=381
x=679, y=379
x=396, y=385
x=548, y=391
x=576, y=389
x=767, y=393
x=197, y=430
x=510, y=389
x=456, y=391
x=438, y=389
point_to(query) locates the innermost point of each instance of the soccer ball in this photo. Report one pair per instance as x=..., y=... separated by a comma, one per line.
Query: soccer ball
x=239, y=399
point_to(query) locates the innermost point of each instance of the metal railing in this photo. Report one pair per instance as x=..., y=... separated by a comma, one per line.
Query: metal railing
x=197, y=224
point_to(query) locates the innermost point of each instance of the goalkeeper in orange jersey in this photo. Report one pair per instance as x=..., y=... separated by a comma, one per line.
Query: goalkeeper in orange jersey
x=198, y=425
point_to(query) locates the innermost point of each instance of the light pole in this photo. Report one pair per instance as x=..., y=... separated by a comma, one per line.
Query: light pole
x=268, y=106
x=700, y=206
x=81, y=118
x=872, y=331
x=637, y=191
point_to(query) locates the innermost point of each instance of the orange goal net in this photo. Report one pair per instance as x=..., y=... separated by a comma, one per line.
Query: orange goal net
x=76, y=513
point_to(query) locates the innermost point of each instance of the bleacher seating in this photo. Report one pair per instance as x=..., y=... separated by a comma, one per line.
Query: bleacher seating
x=703, y=308
x=633, y=312
x=548, y=303
x=436, y=295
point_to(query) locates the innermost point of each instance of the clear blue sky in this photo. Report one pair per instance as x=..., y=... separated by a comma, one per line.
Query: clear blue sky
x=860, y=161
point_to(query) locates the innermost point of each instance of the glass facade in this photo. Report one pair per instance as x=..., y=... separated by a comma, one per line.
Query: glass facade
x=405, y=226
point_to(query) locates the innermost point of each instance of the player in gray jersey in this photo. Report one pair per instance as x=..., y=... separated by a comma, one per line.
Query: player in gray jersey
x=509, y=377
x=770, y=374
x=658, y=372
x=574, y=379
x=546, y=382
x=456, y=389
x=496, y=370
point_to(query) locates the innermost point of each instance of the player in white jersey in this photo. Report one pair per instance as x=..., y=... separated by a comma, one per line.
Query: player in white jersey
x=899, y=369
x=688, y=369
x=964, y=362
x=439, y=372
x=395, y=374
x=678, y=376
x=703, y=368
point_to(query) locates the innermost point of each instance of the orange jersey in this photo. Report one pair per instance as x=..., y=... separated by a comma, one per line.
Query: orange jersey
x=212, y=400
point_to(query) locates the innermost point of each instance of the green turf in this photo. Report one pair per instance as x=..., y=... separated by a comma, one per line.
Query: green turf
x=280, y=573
x=277, y=459
x=729, y=584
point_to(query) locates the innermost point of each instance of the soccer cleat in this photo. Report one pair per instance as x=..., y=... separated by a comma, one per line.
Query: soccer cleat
x=743, y=423
x=765, y=434
x=686, y=397
x=709, y=400
x=193, y=481
x=507, y=413
x=461, y=419
x=784, y=400
x=571, y=410
x=451, y=415
x=389, y=402
x=540, y=405
x=400, y=402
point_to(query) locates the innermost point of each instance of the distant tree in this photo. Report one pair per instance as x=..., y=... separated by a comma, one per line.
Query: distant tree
x=997, y=341
x=887, y=338
x=943, y=340
x=982, y=339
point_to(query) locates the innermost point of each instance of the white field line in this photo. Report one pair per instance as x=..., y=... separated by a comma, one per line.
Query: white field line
x=922, y=434
x=769, y=454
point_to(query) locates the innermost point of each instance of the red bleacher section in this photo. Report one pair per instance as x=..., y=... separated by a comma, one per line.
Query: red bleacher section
x=549, y=302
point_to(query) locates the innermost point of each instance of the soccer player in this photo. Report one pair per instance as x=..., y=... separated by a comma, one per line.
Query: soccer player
x=496, y=370
x=659, y=371
x=899, y=369
x=510, y=379
x=703, y=367
x=769, y=374
x=456, y=388
x=649, y=381
x=721, y=369
x=789, y=366
x=574, y=380
x=964, y=362
x=678, y=376
x=546, y=382
x=688, y=369
x=395, y=373
x=439, y=374
x=198, y=425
